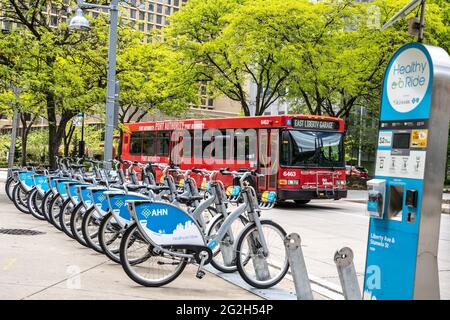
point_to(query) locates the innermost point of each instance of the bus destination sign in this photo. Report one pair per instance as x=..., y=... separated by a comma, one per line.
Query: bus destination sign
x=315, y=124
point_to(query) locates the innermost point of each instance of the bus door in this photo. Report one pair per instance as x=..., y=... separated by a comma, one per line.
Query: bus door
x=268, y=159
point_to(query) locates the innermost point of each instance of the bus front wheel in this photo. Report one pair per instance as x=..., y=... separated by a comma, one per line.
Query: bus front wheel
x=302, y=202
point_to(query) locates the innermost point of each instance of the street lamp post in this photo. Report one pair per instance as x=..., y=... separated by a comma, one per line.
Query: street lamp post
x=78, y=22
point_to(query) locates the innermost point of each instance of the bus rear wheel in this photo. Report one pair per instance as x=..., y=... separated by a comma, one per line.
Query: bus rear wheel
x=301, y=202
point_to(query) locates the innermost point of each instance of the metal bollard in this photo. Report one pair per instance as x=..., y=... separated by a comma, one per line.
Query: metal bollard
x=303, y=290
x=347, y=274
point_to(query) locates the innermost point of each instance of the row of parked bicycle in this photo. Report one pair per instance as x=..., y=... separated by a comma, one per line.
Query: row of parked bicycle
x=155, y=229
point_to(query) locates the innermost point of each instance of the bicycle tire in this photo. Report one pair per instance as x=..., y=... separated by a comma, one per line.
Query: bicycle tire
x=46, y=204
x=54, y=211
x=66, y=210
x=128, y=268
x=102, y=240
x=9, y=186
x=87, y=218
x=214, y=263
x=75, y=227
x=21, y=204
x=33, y=206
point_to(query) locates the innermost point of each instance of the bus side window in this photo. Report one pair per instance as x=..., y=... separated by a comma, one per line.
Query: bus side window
x=136, y=143
x=242, y=149
x=222, y=142
x=149, y=143
x=188, y=141
x=162, y=143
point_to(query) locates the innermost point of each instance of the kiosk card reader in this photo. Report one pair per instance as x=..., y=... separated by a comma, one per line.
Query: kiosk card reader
x=404, y=198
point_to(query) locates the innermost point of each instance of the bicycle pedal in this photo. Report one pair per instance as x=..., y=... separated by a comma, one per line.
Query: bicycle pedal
x=200, y=274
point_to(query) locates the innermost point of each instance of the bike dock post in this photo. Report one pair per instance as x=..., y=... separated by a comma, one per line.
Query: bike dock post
x=347, y=274
x=292, y=242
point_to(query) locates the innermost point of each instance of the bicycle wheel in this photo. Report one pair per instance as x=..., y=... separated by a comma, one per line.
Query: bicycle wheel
x=224, y=258
x=145, y=266
x=76, y=221
x=64, y=217
x=256, y=269
x=54, y=211
x=20, y=198
x=46, y=204
x=9, y=187
x=34, y=203
x=90, y=227
x=110, y=236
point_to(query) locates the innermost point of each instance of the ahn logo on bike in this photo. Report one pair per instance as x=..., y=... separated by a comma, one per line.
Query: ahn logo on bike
x=119, y=203
x=154, y=212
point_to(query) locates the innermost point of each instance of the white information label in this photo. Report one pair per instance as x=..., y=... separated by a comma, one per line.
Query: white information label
x=412, y=166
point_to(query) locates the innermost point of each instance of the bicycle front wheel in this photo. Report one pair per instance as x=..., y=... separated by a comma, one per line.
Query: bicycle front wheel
x=90, y=227
x=256, y=268
x=143, y=264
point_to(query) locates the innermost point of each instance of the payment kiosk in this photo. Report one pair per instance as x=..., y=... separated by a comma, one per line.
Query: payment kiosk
x=405, y=195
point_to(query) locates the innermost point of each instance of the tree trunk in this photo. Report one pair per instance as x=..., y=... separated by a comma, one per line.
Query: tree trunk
x=52, y=139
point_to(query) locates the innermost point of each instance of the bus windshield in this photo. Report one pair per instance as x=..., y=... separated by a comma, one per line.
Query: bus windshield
x=312, y=149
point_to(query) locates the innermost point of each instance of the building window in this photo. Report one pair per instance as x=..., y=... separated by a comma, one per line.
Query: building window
x=150, y=17
x=158, y=19
x=151, y=7
x=54, y=21
x=149, y=26
x=210, y=102
x=141, y=26
x=133, y=14
x=168, y=2
x=168, y=11
x=176, y=3
x=159, y=8
x=141, y=15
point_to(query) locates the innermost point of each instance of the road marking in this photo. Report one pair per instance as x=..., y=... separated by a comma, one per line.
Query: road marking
x=9, y=263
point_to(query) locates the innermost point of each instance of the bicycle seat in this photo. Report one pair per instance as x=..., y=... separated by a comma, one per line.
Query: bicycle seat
x=157, y=189
x=89, y=179
x=188, y=200
x=135, y=187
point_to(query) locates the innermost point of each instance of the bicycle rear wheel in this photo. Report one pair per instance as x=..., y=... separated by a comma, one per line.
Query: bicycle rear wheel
x=255, y=268
x=145, y=266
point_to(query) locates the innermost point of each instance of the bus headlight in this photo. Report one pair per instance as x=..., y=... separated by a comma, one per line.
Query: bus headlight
x=284, y=182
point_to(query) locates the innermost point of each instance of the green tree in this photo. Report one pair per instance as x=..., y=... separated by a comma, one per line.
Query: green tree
x=229, y=43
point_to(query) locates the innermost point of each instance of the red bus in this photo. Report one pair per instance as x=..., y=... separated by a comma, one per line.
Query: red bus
x=301, y=157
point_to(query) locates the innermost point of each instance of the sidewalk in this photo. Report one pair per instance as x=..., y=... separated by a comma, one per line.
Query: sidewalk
x=52, y=266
